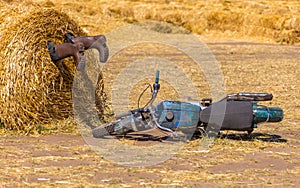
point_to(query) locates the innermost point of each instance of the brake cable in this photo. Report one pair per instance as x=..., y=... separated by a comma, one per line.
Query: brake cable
x=149, y=85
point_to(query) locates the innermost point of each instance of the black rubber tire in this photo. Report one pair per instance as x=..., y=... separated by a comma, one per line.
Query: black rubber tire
x=100, y=132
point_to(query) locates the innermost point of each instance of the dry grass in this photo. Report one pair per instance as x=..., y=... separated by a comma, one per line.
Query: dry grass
x=64, y=162
x=276, y=21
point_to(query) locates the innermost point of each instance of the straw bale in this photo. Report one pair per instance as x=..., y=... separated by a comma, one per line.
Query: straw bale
x=283, y=29
x=32, y=90
x=11, y=10
x=270, y=21
x=292, y=23
x=224, y=20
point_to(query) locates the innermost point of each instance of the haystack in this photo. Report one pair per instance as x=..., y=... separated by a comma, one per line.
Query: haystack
x=32, y=90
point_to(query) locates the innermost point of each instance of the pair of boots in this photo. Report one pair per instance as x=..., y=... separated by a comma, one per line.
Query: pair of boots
x=75, y=46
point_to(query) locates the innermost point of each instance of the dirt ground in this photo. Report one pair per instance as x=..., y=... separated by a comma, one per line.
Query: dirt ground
x=270, y=157
x=66, y=161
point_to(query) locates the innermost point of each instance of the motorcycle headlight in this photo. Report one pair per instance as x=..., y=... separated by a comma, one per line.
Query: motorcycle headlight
x=131, y=123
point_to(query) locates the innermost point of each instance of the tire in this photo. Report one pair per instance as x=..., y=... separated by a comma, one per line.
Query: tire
x=102, y=131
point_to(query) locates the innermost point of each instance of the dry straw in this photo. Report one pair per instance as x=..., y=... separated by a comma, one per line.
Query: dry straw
x=32, y=90
x=248, y=18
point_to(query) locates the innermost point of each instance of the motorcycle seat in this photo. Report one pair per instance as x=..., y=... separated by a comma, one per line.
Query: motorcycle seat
x=238, y=115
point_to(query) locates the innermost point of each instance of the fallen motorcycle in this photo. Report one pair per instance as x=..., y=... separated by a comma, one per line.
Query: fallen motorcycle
x=238, y=112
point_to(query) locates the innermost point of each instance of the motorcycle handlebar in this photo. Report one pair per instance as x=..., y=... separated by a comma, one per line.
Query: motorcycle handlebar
x=157, y=77
x=156, y=85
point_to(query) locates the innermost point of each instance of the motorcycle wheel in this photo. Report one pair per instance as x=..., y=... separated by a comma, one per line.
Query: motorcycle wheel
x=199, y=133
x=102, y=131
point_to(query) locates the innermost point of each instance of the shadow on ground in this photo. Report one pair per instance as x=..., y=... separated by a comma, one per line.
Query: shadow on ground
x=232, y=136
x=141, y=137
x=254, y=136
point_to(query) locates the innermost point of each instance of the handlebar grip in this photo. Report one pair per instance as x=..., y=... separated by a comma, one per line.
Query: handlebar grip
x=157, y=77
x=118, y=116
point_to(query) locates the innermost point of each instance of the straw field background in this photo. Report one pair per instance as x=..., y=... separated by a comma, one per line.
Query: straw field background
x=256, y=44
